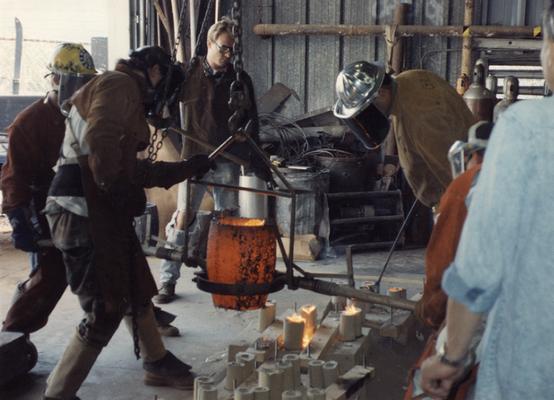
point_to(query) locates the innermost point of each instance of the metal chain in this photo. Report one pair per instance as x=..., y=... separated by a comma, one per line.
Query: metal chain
x=237, y=96
x=236, y=15
x=155, y=146
x=181, y=27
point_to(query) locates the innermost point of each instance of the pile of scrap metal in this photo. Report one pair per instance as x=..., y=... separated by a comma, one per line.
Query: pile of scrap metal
x=316, y=152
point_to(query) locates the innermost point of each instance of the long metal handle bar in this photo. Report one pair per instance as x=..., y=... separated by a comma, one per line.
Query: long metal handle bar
x=206, y=145
x=396, y=239
x=272, y=193
x=334, y=289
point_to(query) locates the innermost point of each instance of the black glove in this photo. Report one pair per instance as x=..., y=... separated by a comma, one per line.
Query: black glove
x=25, y=229
x=198, y=165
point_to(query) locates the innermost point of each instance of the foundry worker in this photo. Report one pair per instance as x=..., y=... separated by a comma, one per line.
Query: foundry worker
x=206, y=96
x=96, y=192
x=426, y=113
x=35, y=137
x=466, y=159
x=503, y=266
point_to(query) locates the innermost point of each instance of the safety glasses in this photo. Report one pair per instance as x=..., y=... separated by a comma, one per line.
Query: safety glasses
x=224, y=49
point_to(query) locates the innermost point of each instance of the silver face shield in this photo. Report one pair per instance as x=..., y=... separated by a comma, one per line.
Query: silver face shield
x=69, y=84
x=456, y=157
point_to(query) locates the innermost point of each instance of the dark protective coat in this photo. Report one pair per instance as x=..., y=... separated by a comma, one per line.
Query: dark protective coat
x=113, y=181
x=35, y=137
x=428, y=116
x=205, y=98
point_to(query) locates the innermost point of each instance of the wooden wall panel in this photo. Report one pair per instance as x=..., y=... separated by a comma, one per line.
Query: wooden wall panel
x=290, y=54
x=355, y=48
x=323, y=54
x=258, y=51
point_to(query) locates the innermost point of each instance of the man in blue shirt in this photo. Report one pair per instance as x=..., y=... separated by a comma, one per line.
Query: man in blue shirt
x=504, y=261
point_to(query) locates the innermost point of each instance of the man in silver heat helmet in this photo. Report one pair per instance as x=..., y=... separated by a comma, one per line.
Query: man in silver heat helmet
x=426, y=114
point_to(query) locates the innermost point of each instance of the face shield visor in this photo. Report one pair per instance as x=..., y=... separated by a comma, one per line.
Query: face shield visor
x=457, y=158
x=161, y=104
x=357, y=86
x=69, y=84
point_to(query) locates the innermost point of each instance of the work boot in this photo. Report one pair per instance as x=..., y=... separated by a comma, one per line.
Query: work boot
x=168, y=371
x=72, y=369
x=168, y=330
x=166, y=294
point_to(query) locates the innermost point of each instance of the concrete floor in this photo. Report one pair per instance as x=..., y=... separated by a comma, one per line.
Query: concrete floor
x=206, y=331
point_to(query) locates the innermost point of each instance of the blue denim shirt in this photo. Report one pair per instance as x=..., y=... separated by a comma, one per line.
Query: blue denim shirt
x=505, y=260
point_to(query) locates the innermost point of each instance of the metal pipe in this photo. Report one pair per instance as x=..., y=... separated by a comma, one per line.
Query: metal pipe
x=334, y=289
x=467, y=46
x=216, y=15
x=208, y=146
x=17, y=56
x=402, y=30
x=242, y=188
x=175, y=13
x=290, y=273
x=192, y=14
x=400, y=18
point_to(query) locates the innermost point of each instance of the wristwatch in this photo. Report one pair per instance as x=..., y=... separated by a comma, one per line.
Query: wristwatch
x=445, y=360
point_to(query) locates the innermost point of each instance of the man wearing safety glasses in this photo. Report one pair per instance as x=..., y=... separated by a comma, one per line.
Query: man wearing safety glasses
x=206, y=93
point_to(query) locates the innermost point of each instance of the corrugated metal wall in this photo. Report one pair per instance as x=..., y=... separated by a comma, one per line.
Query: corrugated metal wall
x=309, y=64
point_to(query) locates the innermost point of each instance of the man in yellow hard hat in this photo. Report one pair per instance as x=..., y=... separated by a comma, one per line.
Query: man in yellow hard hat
x=35, y=137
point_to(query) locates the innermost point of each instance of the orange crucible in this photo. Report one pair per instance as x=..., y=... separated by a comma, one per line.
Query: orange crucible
x=240, y=250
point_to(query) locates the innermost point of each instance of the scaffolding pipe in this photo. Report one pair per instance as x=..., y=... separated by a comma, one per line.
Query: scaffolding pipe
x=400, y=18
x=467, y=47
x=401, y=30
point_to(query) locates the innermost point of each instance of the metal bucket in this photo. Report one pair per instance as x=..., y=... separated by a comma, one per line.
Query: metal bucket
x=252, y=205
x=309, y=206
x=240, y=250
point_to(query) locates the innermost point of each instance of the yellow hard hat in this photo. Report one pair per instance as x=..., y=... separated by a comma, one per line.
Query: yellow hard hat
x=71, y=58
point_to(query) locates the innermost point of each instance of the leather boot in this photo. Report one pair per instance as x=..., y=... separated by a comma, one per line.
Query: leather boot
x=161, y=367
x=166, y=294
x=169, y=371
x=71, y=370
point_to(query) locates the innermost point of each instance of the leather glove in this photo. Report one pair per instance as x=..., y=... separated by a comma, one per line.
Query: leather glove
x=198, y=165
x=24, y=232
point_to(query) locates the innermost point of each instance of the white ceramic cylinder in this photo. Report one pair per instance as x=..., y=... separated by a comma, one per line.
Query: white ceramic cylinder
x=261, y=393
x=348, y=325
x=272, y=379
x=330, y=373
x=315, y=394
x=292, y=395
x=294, y=359
x=260, y=355
x=249, y=361
x=309, y=313
x=200, y=381
x=315, y=373
x=207, y=392
x=293, y=333
x=266, y=316
x=252, y=205
x=235, y=375
x=288, y=374
x=243, y=393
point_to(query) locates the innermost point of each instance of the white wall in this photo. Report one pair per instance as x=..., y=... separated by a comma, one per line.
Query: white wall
x=119, y=38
